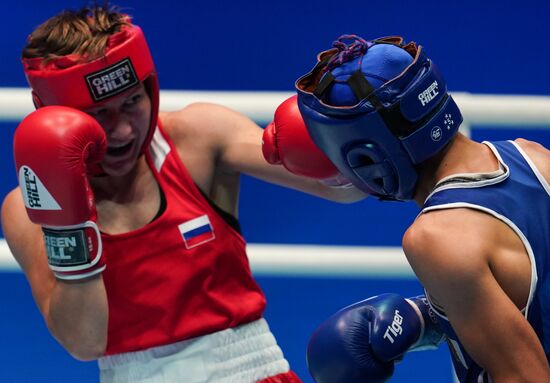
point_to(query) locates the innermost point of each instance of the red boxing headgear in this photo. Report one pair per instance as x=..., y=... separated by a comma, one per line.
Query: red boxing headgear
x=69, y=81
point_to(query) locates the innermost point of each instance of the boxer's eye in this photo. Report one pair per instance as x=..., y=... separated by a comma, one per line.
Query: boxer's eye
x=132, y=100
x=98, y=113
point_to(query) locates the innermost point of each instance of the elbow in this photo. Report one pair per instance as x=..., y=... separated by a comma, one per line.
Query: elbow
x=346, y=195
x=82, y=345
x=352, y=199
x=85, y=351
x=86, y=357
x=83, y=335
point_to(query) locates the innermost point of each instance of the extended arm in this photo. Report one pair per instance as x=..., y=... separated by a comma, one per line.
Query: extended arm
x=237, y=142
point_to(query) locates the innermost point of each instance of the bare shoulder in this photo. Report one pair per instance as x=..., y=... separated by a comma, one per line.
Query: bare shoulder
x=455, y=242
x=202, y=119
x=210, y=128
x=531, y=146
x=448, y=251
x=184, y=122
x=538, y=153
x=431, y=230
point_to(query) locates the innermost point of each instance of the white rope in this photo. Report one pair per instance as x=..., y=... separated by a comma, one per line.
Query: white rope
x=478, y=109
x=349, y=261
x=7, y=262
x=302, y=260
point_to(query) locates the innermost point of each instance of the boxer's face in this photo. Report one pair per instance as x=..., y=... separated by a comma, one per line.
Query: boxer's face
x=125, y=119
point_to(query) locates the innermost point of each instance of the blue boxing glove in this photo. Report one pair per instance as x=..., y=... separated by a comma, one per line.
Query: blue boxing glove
x=362, y=342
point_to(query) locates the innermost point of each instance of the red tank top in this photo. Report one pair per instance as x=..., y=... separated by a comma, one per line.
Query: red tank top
x=183, y=275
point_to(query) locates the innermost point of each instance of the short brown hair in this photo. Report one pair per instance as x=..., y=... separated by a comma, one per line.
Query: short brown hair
x=84, y=32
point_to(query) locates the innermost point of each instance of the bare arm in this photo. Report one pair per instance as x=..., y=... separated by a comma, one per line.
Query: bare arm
x=237, y=141
x=75, y=312
x=453, y=262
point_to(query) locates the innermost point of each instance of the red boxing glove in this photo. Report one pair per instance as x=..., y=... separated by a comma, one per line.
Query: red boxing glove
x=55, y=148
x=286, y=141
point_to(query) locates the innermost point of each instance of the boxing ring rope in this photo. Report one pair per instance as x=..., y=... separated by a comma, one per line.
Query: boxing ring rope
x=480, y=110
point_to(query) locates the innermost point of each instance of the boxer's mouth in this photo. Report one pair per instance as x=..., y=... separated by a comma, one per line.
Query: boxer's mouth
x=119, y=150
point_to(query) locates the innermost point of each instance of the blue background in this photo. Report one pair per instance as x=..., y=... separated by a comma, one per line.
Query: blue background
x=481, y=46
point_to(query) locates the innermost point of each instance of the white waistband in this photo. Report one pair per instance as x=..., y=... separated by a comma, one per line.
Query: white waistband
x=243, y=354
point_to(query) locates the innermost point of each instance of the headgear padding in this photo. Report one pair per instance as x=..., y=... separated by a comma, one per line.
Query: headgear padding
x=377, y=109
x=72, y=81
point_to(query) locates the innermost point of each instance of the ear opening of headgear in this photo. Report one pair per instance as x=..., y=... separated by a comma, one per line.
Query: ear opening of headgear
x=377, y=109
x=75, y=82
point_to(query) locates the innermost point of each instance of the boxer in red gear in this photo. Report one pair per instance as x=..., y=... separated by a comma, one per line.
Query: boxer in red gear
x=176, y=299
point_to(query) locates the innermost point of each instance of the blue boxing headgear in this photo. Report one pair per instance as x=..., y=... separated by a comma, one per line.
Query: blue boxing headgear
x=377, y=109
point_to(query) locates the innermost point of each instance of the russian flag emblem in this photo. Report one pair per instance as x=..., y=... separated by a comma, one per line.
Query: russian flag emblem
x=196, y=231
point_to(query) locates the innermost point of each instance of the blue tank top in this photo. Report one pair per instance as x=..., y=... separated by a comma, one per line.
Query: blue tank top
x=519, y=197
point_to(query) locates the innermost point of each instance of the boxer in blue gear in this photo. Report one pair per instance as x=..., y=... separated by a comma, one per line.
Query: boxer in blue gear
x=381, y=113
x=395, y=91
